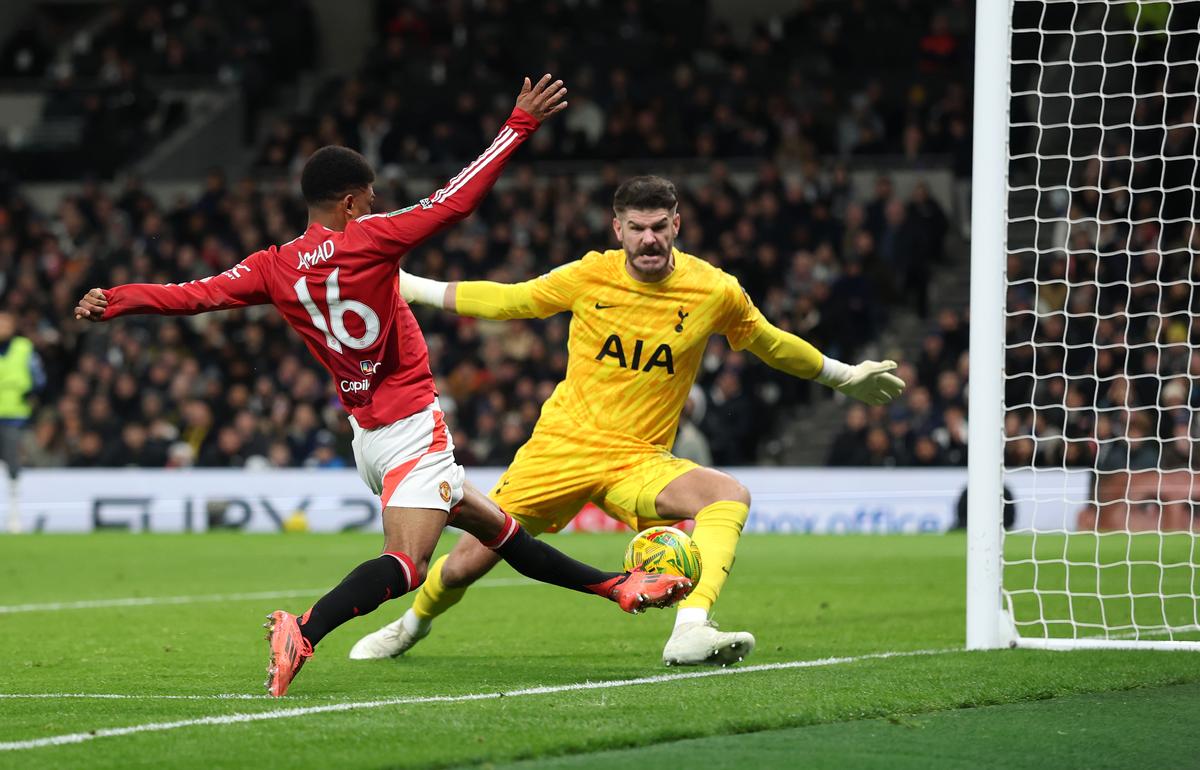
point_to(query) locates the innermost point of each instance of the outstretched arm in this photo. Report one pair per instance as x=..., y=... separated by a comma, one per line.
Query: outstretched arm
x=401, y=230
x=869, y=381
x=746, y=328
x=479, y=299
x=241, y=285
x=541, y=297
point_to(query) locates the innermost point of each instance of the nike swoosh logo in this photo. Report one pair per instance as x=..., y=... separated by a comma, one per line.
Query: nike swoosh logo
x=603, y=307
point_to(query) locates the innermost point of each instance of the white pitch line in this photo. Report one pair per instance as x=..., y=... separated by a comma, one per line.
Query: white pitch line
x=150, y=601
x=240, y=718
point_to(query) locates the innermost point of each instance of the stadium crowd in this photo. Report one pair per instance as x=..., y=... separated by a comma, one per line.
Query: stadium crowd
x=649, y=80
x=1102, y=364
x=217, y=390
x=112, y=74
x=238, y=389
x=926, y=428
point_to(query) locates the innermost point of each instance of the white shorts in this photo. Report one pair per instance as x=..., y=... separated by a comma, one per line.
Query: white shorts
x=410, y=463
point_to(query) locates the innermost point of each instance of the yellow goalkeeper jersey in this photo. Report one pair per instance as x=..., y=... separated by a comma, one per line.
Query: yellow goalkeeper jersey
x=634, y=348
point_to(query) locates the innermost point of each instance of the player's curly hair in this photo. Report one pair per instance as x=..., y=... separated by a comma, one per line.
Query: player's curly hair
x=332, y=172
x=645, y=193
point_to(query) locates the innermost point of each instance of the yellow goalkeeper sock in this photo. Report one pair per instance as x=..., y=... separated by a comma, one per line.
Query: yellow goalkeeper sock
x=434, y=598
x=718, y=527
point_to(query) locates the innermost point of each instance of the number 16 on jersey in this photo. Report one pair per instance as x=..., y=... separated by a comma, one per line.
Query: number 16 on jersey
x=336, y=334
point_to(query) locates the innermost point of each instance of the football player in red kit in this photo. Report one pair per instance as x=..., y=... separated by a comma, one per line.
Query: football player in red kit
x=335, y=284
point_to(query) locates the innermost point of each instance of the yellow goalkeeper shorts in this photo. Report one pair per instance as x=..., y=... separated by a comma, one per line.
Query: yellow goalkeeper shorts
x=561, y=468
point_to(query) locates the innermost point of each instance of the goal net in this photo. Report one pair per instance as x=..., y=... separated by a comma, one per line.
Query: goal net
x=1100, y=389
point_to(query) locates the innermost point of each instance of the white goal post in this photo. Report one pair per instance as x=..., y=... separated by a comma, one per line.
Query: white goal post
x=1084, y=392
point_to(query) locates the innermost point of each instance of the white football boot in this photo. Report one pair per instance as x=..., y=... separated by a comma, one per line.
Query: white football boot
x=702, y=643
x=392, y=640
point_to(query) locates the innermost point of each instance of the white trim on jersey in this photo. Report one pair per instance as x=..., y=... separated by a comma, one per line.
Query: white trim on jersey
x=504, y=132
x=503, y=140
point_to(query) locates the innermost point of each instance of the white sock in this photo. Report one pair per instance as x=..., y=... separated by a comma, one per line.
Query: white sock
x=690, y=615
x=414, y=624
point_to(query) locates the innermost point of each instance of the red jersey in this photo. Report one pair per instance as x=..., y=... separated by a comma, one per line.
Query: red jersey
x=338, y=290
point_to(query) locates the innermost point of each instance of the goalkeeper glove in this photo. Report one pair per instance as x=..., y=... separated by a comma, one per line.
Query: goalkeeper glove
x=422, y=291
x=871, y=381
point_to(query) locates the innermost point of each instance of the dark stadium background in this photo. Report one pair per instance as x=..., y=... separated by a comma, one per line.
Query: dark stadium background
x=822, y=151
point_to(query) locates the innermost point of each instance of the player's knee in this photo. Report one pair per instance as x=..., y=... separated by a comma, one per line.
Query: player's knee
x=420, y=570
x=403, y=571
x=731, y=490
x=459, y=573
x=738, y=493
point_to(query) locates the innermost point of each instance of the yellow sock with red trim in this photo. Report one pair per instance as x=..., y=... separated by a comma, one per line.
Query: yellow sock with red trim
x=718, y=527
x=434, y=598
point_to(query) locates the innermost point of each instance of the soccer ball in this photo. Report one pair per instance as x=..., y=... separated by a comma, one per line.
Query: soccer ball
x=664, y=550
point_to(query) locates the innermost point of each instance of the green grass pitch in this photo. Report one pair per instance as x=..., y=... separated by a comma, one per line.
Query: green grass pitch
x=808, y=600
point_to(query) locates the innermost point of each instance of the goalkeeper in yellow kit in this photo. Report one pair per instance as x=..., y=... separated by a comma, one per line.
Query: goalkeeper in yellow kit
x=641, y=318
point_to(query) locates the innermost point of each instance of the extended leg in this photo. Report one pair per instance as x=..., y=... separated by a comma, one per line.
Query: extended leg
x=499, y=533
x=410, y=535
x=544, y=563
x=445, y=586
x=719, y=505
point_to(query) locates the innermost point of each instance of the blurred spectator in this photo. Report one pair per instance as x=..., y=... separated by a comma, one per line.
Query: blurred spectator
x=324, y=453
x=849, y=448
x=880, y=452
x=21, y=374
x=951, y=436
x=926, y=453
x=690, y=442
x=790, y=89
x=729, y=423
x=136, y=448
x=117, y=74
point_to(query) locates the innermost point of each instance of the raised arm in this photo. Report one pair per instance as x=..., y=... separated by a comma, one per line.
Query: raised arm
x=242, y=285
x=401, y=230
